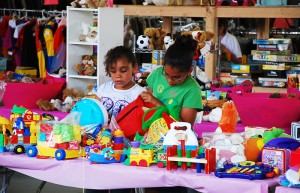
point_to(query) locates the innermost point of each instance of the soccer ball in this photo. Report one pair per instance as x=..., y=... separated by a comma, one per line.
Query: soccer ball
x=142, y=42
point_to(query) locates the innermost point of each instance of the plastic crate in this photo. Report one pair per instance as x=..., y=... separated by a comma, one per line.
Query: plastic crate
x=273, y=2
x=257, y=109
x=3, y=62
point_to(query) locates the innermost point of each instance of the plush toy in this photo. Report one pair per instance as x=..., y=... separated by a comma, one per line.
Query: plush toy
x=128, y=36
x=79, y=4
x=89, y=33
x=203, y=78
x=160, y=45
x=45, y=105
x=168, y=41
x=88, y=65
x=229, y=117
x=98, y=3
x=70, y=97
x=153, y=34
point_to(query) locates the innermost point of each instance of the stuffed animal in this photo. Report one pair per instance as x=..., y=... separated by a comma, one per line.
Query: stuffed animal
x=79, y=4
x=203, y=78
x=88, y=65
x=128, y=36
x=168, y=41
x=70, y=97
x=98, y=3
x=229, y=117
x=160, y=45
x=45, y=105
x=153, y=34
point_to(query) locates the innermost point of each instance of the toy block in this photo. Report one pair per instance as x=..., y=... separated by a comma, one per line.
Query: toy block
x=32, y=127
x=26, y=139
x=57, y=139
x=20, y=139
x=14, y=139
x=74, y=145
x=19, y=131
x=46, y=128
x=62, y=146
x=117, y=146
x=33, y=139
x=1, y=140
x=26, y=132
x=118, y=139
x=2, y=149
x=42, y=137
x=210, y=156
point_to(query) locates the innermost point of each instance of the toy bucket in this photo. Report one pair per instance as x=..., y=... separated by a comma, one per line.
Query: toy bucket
x=257, y=109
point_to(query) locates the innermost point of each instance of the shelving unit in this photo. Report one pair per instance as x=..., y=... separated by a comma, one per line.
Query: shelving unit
x=110, y=34
x=211, y=13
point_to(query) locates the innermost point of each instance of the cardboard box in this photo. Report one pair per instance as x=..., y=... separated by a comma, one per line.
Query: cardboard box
x=26, y=70
x=277, y=58
x=272, y=82
x=244, y=68
x=266, y=52
x=275, y=67
x=275, y=73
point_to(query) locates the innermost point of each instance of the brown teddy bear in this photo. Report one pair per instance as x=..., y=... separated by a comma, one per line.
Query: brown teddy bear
x=88, y=65
x=45, y=105
x=153, y=34
x=160, y=45
x=96, y=3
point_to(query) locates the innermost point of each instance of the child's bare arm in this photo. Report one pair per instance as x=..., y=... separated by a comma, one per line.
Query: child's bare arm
x=188, y=115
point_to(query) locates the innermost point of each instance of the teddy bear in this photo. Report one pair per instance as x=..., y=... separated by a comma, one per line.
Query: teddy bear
x=160, y=45
x=79, y=4
x=168, y=41
x=98, y=3
x=153, y=34
x=128, y=35
x=70, y=97
x=45, y=105
x=88, y=65
x=205, y=82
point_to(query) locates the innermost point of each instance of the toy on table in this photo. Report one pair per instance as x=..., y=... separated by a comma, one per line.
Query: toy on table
x=57, y=139
x=230, y=148
x=139, y=155
x=181, y=147
x=229, y=117
x=5, y=132
x=23, y=129
x=246, y=170
x=291, y=178
x=279, y=158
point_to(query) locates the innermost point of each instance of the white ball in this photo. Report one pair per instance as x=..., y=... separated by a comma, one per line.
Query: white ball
x=142, y=42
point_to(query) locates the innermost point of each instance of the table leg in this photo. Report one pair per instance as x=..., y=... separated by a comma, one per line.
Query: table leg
x=41, y=186
x=7, y=174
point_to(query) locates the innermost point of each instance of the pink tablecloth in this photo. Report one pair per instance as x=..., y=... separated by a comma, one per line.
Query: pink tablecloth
x=6, y=112
x=282, y=189
x=81, y=174
x=202, y=127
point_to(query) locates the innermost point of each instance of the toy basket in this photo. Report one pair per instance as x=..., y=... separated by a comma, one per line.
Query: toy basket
x=26, y=94
x=245, y=87
x=257, y=109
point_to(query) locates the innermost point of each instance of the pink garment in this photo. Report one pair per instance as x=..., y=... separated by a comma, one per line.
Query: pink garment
x=63, y=21
x=8, y=38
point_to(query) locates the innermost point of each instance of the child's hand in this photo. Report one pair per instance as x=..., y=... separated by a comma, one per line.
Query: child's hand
x=149, y=98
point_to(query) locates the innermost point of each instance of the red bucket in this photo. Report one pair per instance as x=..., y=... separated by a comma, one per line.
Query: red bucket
x=26, y=94
x=257, y=109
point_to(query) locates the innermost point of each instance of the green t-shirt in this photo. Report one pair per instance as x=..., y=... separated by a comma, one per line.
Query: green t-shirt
x=186, y=94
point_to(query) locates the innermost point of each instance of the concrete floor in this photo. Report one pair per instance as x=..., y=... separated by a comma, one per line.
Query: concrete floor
x=21, y=183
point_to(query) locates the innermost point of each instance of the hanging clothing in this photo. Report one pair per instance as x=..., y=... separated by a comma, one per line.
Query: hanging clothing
x=49, y=40
x=39, y=50
x=59, y=37
x=29, y=57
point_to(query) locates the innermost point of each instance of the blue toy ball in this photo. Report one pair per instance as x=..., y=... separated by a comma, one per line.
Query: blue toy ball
x=92, y=112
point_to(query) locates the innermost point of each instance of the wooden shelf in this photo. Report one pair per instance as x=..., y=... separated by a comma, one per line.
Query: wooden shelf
x=259, y=12
x=202, y=11
x=164, y=11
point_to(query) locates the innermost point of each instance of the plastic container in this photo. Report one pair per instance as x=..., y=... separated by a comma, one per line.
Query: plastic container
x=2, y=89
x=26, y=94
x=257, y=109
